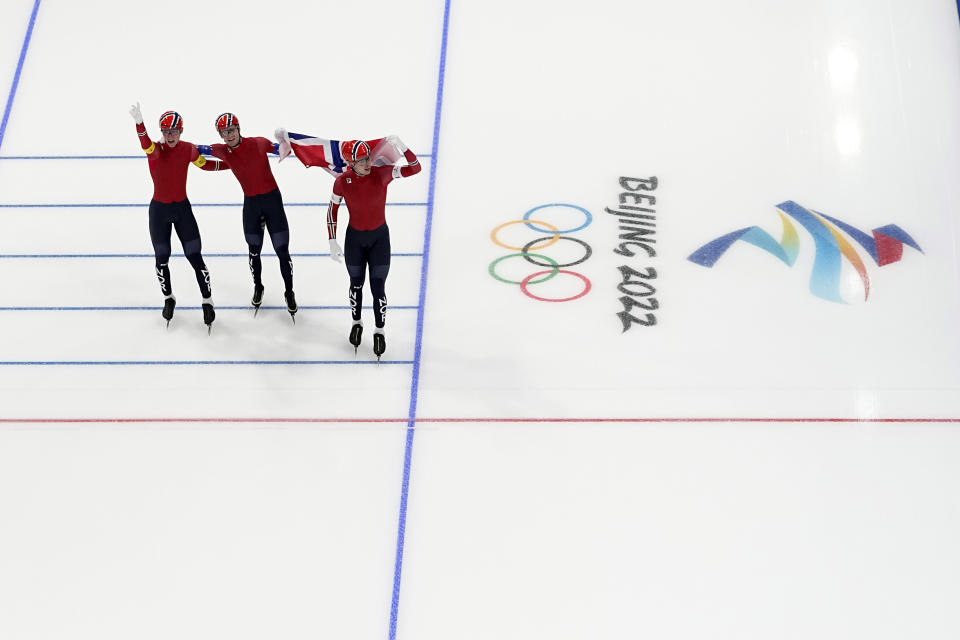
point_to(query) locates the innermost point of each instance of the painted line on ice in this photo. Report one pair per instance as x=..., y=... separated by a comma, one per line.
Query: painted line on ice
x=117, y=363
x=475, y=420
x=418, y=344
x=16, y=75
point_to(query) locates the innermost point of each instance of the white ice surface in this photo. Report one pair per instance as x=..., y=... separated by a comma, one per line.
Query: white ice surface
x=759, y=464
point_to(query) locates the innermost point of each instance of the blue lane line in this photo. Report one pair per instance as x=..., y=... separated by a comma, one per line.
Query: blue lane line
x=16, y=76
x=113, y=363
x=35, y=256
x=415, y=378
x=219, y=308
x=144, y=205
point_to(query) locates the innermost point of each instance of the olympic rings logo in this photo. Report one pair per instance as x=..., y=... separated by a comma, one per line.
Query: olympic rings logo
x=531, y=252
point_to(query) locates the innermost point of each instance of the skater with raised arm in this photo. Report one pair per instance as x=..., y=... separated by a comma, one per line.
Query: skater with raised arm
x=169, y=160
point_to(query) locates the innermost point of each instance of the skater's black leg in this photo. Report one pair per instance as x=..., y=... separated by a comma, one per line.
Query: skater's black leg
x=379, y=269
x=279, y=229
x=356, y=290
x=161, y=223
x=281, y=245
x=160, y=227
x=192, y=250
x=162, y=265
x=355, y=253
x=280, y=238
x=189, y=234
x=378, y=286
x=253, y=225
x=253, y=260
x=202, y=273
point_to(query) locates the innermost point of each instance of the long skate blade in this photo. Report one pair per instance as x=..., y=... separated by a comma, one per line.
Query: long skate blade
x=168, y=324
x=209, y=328
x=256, y=310
x=294, y=318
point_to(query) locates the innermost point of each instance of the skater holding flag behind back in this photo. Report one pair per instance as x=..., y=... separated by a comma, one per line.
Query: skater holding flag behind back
x=169, y=160
x=363, y=185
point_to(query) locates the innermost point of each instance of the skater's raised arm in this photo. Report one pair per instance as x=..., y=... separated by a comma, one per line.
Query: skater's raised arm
x=145, y=142
x=413, y=164
x=168, y=161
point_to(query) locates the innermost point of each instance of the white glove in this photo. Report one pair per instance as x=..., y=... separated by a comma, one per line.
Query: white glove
x=284, y=149
x=135, y=113
x=335, y=251
x=397, y=143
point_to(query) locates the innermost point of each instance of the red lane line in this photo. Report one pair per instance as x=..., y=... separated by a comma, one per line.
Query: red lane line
x=175, y=420
x=469, y=420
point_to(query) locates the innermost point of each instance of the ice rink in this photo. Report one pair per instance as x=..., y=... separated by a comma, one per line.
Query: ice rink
x=672, y=345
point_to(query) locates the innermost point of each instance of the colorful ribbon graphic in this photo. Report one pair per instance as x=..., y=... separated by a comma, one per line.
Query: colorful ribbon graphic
x=885, y=247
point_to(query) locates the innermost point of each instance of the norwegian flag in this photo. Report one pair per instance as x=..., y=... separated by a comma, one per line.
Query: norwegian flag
x=323, y=153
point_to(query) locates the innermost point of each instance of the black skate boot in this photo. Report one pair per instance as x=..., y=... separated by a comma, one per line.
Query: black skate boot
x=168, y=305
x=208, y=315
x=356, y=331
x=257, y=299
x=379, y=343
x=291, y=304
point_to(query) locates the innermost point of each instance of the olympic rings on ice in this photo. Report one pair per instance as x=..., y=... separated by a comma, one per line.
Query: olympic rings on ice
x=531, y=252
x=587, y=218
x=496, y=230
x=493, y=266
x=529, y=279
x=586, y=254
